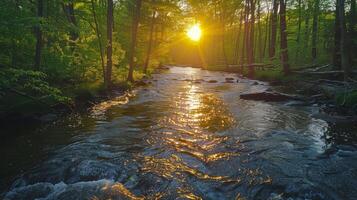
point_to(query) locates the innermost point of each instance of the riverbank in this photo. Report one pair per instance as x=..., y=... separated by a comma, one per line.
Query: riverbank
x=27, y=112
x=333, y=95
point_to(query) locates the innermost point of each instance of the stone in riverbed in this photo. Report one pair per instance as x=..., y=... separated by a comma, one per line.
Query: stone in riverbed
x=229, y=79
x=212, y=81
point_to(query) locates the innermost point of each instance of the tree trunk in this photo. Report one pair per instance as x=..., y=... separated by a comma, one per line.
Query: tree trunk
x=259, y=41
x=353, y=28
x=298, y=37
x=223, y=28
x=283, y=38
x=110, y=20
x=68, y=9
x=152, y=24
x=251, y=39
x=314, y=31
x=345, y=64
x=134, y=29
x=237, y=44
x=274, y=24
x=99, y=37
x=267, y=30
x=245, y=36
x=307, y=25
x=337, y=39
x=38, y=33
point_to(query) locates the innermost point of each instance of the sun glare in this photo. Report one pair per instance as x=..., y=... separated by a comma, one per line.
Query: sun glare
x=194, y=32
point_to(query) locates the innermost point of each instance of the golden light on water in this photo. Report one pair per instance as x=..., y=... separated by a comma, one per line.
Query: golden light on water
x=194, y=32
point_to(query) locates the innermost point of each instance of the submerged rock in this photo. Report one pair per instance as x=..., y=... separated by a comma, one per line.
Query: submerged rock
x=268, y=96
x=229, y=79
x=212, y=81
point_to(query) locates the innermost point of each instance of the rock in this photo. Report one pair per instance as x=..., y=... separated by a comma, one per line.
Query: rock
x=212, y=81
x=237, y=81
x=255, y=83
x=229, y=79
x=268, y=96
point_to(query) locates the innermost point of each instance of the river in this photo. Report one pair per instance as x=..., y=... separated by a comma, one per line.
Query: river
x=187, y=135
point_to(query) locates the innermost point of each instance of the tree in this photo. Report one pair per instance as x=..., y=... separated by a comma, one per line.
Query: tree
x=274, y=25
x=284, y=38
x=68, y=9
x=250, y=47
x=110, y=16
x=314, y=31
x=38, y=33
x=345, y=60
x=99, y=38
x=135, y=22
x=152, y=24
x=337, y=39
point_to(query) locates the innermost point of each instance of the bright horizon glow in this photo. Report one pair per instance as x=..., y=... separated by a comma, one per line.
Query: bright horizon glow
x=194, y=32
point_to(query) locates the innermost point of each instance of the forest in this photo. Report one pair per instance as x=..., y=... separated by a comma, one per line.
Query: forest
x=55, y=51
x=178, y=99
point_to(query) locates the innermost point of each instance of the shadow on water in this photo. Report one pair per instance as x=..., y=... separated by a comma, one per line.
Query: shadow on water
x=186, y=137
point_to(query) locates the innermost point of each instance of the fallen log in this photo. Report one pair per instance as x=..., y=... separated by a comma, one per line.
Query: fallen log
x=336, y=72
x=320, y=68
x=269, y=96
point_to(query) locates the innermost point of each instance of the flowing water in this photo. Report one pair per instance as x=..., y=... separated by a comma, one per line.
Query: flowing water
x=184, y=137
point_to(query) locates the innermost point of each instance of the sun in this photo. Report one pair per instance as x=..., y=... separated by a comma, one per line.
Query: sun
x=194, y=32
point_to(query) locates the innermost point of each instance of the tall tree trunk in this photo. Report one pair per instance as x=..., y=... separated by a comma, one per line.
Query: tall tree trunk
x=314, y=31
x=134, y=29
x=110, y=20
x=68, y=9
x=307, y=25
x=353, y=27
x=245, y=36
x=148, y=54
x=337, y=39
x=259, y=41
x=251, y=39
x=298, y=37
x=284, y=38
x=345, y=64
x=237, y=44
x=223, y=34
x=99, y=38
x=38, y=33
x=274, y=25
x=267, y=30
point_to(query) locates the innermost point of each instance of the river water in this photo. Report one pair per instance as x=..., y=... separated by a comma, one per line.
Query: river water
x=185, y=136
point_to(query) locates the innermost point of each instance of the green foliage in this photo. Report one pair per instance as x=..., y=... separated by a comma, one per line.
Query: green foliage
x=23, y=88
x=347, y=99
